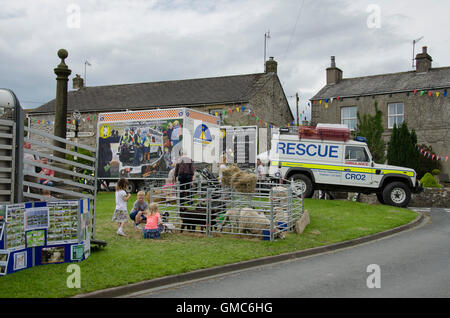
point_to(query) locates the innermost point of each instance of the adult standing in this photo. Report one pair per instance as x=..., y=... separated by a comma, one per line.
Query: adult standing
x=184, y=172
x=259, y=169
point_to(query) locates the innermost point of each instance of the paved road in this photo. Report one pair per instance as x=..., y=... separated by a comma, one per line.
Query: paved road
x=414, y=263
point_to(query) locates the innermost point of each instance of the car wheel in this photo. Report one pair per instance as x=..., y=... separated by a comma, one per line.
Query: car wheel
x=397, y=194
x=131, y=187
x=302, y=184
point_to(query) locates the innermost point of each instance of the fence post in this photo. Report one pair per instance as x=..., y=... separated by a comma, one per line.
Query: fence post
x=271, y=215
x=208, y=211
x=18, y=153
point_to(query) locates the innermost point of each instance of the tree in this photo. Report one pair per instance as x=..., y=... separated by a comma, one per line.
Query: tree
x=402, y=150
x=371, y=127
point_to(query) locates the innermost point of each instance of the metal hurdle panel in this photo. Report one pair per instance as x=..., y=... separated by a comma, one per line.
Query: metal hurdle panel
x=203, y=206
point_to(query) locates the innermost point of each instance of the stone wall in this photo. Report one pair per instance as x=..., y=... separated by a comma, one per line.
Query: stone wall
x=432, y=197
x=429, y=197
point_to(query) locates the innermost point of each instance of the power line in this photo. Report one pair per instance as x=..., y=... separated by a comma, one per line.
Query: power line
x=295, y=27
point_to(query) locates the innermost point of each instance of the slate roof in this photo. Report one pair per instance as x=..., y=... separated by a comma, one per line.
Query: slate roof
x=435, y=78
x=189, y=92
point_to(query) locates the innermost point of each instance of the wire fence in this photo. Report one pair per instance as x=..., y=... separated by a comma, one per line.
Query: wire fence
x=207, y=207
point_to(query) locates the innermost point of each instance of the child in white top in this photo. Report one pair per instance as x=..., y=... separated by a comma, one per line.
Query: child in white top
x=121, y=211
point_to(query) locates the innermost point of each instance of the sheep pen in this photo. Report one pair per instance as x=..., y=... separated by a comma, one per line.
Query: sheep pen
x=248, y=208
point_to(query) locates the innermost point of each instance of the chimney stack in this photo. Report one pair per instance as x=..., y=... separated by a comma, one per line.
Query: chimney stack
x=334, y=74
x=271, y=65
x=77, y=82
x=423, y=61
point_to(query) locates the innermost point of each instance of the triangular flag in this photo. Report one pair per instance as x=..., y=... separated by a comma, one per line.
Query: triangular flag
x=415, y=91
x=326, y=105
x=430, y=93
x=421, y=93
x=437, y=94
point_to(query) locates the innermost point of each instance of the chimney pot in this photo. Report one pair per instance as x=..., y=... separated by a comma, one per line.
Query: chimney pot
x=77, y=82
x=334, y=74
x=271, y=65
x=423, y=61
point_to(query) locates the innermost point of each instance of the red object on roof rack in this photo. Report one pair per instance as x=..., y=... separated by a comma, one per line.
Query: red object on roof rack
x=325, y=132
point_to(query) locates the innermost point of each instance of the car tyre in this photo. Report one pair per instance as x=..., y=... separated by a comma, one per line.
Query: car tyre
x=397, y=194
x=131, y=187
x=380, y=198
x=302, y=181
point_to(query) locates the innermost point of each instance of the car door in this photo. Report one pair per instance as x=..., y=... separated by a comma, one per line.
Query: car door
x=356, y=170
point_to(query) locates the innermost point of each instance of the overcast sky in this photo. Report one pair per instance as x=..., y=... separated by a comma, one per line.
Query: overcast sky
x=155, y=40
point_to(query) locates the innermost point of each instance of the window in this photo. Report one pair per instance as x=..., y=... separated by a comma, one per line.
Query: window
x=348, y=116
x=353, y=153
x=395, y=114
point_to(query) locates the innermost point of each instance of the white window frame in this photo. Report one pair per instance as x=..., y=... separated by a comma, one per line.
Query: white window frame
x=344, y=120
x=394, y=116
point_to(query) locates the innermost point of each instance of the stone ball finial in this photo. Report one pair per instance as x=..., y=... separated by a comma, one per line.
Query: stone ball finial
x=63, y=54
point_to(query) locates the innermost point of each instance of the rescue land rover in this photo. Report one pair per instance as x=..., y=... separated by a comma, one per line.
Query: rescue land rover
x=325, y=158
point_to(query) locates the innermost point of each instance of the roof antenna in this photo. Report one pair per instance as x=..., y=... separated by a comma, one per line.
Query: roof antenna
x=414, y=46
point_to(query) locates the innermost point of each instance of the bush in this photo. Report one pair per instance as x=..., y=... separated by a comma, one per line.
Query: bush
x=435, y=172
x=428, y=181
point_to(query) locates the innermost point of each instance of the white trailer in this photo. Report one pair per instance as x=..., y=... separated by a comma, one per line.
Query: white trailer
x=143, y=145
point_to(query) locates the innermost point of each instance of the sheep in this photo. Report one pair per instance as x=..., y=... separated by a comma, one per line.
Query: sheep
x=231, y=217
x=198, y=216
x=191, y=218
x=255, y=223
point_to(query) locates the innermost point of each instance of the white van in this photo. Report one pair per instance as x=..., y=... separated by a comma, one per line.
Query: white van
x=336, y=163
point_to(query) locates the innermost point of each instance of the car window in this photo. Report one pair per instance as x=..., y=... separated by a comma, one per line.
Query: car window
x=354, y=153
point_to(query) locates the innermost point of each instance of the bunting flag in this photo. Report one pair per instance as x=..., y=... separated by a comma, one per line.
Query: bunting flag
x=432, y=156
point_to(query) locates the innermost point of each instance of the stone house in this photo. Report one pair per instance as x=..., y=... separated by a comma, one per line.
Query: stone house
x=251, y=99
x=418, y=97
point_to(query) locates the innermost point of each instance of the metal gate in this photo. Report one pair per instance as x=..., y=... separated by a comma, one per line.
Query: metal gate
x=72, y=180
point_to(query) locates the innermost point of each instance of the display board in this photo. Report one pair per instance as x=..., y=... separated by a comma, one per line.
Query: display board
x=39, y=233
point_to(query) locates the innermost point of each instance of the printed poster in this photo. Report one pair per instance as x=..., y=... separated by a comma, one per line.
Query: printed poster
x=20, y=260
x=36, y=218
x=15, y=232
x=35, y=238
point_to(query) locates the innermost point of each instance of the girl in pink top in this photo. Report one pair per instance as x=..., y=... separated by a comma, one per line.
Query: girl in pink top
x=153, y=227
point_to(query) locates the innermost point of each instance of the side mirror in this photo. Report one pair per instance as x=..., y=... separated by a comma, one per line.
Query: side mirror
x=372, y=164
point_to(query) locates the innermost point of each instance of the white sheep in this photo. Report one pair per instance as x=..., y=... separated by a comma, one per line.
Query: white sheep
x=232, y=217
x=255, y=223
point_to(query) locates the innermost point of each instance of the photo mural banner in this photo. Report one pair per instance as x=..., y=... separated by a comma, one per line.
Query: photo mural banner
x=146, y=144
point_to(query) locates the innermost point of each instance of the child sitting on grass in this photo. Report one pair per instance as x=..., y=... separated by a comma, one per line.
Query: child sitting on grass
x=154, y=226
x=139, y=207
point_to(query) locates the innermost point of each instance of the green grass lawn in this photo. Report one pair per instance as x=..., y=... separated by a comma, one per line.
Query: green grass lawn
x=132, y=259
